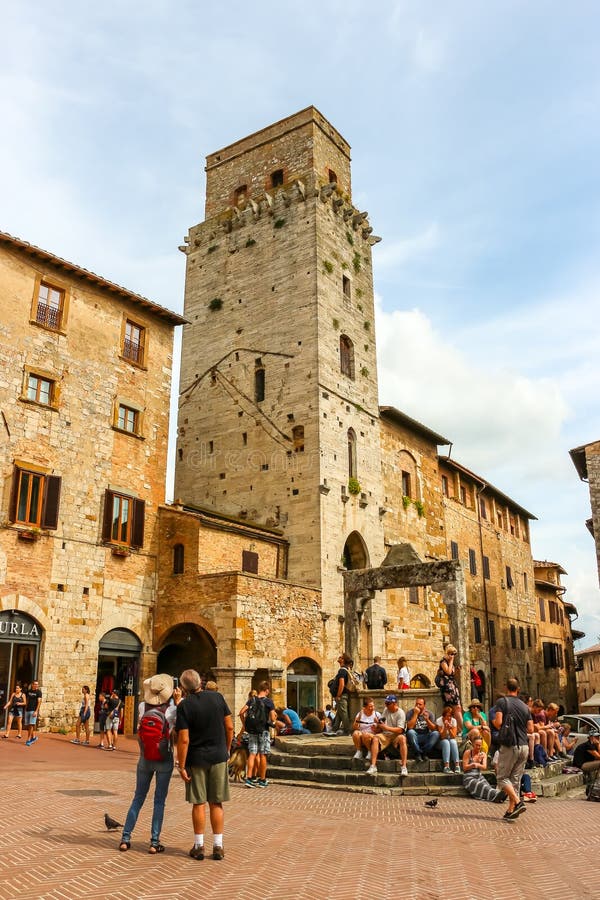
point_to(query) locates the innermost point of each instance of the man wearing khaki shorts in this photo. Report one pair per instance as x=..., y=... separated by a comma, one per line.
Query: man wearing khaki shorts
x=205, y=732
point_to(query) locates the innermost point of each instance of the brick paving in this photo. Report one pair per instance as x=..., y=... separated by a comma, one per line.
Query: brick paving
x=299, y=842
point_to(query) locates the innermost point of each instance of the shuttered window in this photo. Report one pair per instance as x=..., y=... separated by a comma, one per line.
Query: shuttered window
x=34, y=499
x=123, y=521
x=250, y=562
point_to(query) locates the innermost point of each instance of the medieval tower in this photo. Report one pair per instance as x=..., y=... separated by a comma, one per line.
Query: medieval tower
x=278, y=415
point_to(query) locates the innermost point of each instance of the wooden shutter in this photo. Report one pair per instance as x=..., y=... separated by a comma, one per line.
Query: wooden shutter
x=250, y=562
x=52, y=484
x=137, y=523
x=14, y=495
x=107, y=517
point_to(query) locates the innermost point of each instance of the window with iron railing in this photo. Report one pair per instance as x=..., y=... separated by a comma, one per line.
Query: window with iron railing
x=50, y=303
x=134, y=342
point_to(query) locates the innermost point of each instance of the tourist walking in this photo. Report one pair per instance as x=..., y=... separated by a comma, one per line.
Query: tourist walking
x=32, y=709
x=513, y=721
x=15, y=706
x=83, y=718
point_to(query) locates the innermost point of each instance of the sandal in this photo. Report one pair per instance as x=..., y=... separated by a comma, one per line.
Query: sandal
x=156, y=848
x=124, y=846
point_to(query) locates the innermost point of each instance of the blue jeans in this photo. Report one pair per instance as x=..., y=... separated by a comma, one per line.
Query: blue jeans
x=449, y=750
x=422, y=742
x=145, y=770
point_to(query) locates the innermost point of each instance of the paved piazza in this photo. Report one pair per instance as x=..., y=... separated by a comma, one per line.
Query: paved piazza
x=280, y=842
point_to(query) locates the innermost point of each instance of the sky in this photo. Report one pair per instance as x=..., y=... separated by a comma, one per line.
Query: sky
x=475, y=141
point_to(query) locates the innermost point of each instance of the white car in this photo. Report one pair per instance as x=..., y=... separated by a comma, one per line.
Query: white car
x=581, y=725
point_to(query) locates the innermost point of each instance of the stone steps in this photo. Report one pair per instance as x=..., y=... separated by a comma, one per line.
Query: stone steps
x=329, y=764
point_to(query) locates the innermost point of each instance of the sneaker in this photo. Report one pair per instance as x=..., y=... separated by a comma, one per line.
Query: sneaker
x=85, y=743
x=28, y=742
x=368, y=756
x=197, y=852
x=404, y=770
x=372, y=770
x=262, y=782
x=75, y=741
x=33, y=739
x=529, y=797
x=447, y=770
x=511, y=815
x=418, y=757
x=530, y=764
x=457, y=770
x=218, y=853
x=251, y=782
x=358, y=755
x=18, y=737
x=519, y=808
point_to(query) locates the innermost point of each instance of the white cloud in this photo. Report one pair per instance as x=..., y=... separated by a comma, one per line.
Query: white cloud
x=399, y=252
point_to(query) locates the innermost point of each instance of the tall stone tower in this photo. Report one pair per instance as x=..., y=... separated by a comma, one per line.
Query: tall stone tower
x=278, y=416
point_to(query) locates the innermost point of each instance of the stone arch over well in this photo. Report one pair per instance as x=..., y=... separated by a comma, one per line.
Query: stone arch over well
x=187, y=646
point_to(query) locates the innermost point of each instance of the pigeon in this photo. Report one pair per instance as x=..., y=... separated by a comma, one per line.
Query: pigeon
x=111, y=824
x=431, y=803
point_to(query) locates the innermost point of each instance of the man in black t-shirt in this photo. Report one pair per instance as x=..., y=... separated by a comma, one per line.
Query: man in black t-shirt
x=512, y=758
x=34, y=700
x=376, y=676
x=205, y=732
x=587, y=756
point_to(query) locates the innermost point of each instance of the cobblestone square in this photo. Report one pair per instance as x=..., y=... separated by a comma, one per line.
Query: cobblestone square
x=279, y=842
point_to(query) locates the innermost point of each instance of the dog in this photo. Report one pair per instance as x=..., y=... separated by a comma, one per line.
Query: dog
x=237, y=764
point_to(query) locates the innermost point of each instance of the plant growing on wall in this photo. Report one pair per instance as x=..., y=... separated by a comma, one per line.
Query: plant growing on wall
x=278, y=223
x=356, y=262
x=364, y=372
x=250, y=242
x=213, y=248
x=336, y=324
x=350, y=238
x=354, y=486
x=328, y=266
x=420, y=508
x=367, y=325
x=406, y=501
x=215, y=303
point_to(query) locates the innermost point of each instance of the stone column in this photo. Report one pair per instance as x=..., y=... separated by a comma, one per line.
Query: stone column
x=455, y=597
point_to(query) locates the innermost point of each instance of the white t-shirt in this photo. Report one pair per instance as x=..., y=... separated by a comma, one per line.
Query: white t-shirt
x=366, y=723
x=403, y=676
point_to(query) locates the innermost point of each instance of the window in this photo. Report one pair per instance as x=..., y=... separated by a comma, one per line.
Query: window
x=477, y=629
x=34, y=498
x=492, y=632
x=521, y=638
x=128, y=419
x=123, y=519
x=332, y=176
x=453, y=550
x=134, y=339
x=542, y=610
x=445, y=486
x=525, y=582
x=509, y=578
x=351, y=453
x=472, y=562
x=486, y=567
x=40, y=390
x=553, y=655
x=513, y=637
x=346, y=356
x=406, y=484
x=178, y=559
x=413, y=595
x=49, y=306
x=483, y=508
x=240, y=194
x=298, y=438
x=463, y=495
x=277, y=178
x=259, y=381
x=346, y=287
x=250, y=562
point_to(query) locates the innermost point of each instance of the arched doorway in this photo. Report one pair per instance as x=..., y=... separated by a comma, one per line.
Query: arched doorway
x=302, y=684
x=118, y=669
x=20, y=638
x=187, y=646
x=355, y=555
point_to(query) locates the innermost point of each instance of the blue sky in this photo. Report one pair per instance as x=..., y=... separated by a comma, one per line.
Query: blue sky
x=475, y=141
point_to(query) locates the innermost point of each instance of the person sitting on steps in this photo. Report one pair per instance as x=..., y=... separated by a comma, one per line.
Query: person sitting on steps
x=421, y=731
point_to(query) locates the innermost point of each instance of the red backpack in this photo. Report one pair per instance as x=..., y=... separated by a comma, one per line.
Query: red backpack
x=153, y=734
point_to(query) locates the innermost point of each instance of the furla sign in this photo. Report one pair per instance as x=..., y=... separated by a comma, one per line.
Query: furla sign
x=15, y=626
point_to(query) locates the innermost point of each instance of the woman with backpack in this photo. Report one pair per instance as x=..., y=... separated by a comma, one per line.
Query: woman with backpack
x=157, y=715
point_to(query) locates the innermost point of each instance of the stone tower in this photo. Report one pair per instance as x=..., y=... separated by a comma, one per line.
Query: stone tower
x=278, y=415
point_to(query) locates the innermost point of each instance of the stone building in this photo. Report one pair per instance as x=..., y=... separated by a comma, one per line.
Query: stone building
x=555, y=675
x=280, y=431
x=586, y=460
x=84, y=395
x=588, y=679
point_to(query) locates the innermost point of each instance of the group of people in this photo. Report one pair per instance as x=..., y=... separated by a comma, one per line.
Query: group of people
x=23, y=709
x=182, y=727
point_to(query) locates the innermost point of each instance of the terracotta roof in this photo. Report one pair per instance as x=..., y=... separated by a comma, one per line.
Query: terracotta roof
x=545, y=563
x=400, y=418
x=154, y=308
x=486, y=484
x=594, y=649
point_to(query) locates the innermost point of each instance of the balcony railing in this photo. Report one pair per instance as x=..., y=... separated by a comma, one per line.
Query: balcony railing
x=48, y=315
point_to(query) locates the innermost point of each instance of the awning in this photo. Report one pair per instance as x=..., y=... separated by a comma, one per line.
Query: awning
x=593, y=701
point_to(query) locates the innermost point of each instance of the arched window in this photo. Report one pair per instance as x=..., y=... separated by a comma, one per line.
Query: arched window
x=240, y=194
x=351, y=453
x=346, y=356
x=178, y=558
x=298, y=438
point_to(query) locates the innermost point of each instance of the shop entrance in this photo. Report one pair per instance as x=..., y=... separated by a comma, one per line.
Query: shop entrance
x=20, y=638
x=302, y=684
x=118, y=669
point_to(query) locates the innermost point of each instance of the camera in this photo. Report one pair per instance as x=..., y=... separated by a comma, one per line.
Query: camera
x=175, y=683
